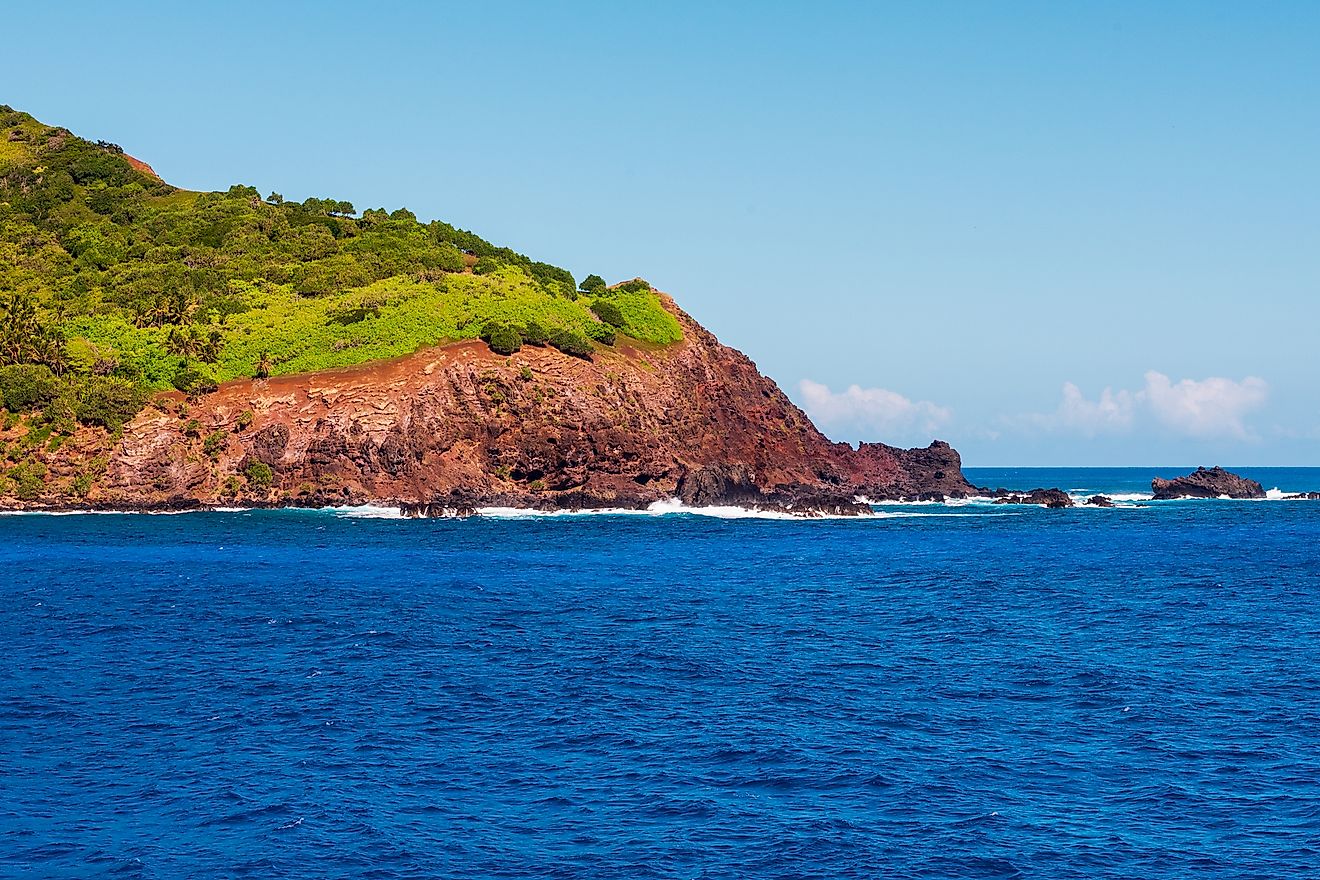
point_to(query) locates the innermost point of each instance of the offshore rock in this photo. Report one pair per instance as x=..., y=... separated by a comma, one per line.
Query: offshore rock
x=451, y=429
x=1100, y=501
x=1053, y=498
x=1201, y=483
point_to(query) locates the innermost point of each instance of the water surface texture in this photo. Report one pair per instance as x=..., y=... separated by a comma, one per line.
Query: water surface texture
x=943, y=691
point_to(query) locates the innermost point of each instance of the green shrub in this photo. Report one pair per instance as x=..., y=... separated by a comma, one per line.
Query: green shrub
x=504, y=340
x=108, y=401
x=214, y=444
x=244, y=420
x=554, y=278
x=592, y=284
x=37, y=437
x=601, y=332
x=82, y=484
x=534, y=334
x=29, y=480
x=448, y=257
x=645, y=318
x=195, y=380
x=259, y=474
x=637, y=285
x=485, y=266
x=608, y=312
x=571, y=343
x=25, y=387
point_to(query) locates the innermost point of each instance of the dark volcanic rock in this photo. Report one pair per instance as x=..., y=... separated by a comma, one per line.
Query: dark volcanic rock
x=1100, y=501
x=1213, y=483
x=887, y=473
x=436, y=511
x=1056, y=498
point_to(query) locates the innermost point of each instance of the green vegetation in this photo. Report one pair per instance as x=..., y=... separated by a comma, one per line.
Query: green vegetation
x=108, y=401
x=26, y=387
x=114, y=285
x=214, y=444
x=609, y=312
x=503, y=339
x=571, y=343
x=259, y=474
x=29, y=480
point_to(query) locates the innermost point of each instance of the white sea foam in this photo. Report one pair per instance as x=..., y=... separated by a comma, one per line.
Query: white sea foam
x=675, y=507
x=947, y=502
x=366, y=511
x=532, y=513
x=1277, y=494
x=669, y=507
x=916, y=514
x=1084, y=494
x=104, y=512
x=1120, y=500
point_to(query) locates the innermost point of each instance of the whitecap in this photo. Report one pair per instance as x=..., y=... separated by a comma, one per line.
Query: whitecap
x=668, y=507
x=103, y=512
x=366, y=511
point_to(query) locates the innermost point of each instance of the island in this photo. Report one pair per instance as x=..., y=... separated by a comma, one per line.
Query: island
x=168, y=349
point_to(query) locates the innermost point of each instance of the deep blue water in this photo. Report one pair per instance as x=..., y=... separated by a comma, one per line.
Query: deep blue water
x=968, y=691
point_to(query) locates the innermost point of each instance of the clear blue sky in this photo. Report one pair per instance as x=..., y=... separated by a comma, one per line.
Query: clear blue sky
x=959, y=208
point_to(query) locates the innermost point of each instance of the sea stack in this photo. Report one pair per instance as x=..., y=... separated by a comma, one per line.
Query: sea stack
x=1202, y=483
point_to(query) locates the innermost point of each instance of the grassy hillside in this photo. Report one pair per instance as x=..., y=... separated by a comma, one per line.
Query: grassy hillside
x=114, y=284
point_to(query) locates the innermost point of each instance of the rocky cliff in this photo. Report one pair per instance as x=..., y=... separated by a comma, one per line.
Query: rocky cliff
x=457, y=427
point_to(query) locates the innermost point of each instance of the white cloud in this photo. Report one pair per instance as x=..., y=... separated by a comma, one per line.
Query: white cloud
x=1210, y=408
x=871, y=413
x=1213, y=407
x=1112, y=412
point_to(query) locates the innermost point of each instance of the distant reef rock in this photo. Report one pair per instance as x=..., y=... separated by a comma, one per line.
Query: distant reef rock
x=1054, y=498
x=1100, y=501
x=452, y=429
x=1202, y=483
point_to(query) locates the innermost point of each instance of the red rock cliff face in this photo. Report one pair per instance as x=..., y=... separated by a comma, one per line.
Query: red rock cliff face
x=458, y=426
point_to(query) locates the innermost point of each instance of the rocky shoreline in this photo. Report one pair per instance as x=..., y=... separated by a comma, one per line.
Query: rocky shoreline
x=804, y=506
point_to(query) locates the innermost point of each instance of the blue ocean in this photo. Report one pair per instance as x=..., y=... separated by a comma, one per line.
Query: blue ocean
x=941, y=691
